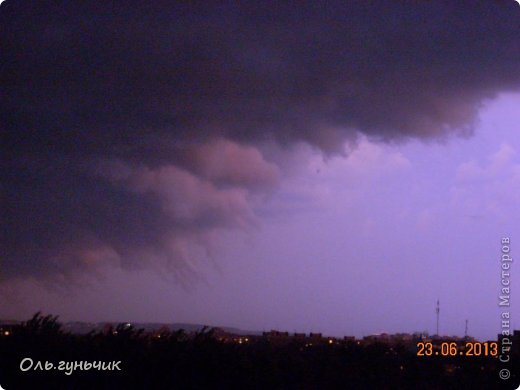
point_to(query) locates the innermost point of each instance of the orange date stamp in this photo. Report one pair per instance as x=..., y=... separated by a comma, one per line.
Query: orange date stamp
x=473, y=348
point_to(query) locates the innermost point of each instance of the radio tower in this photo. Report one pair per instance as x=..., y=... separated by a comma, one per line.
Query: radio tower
x=437, y=310
x=466, y=330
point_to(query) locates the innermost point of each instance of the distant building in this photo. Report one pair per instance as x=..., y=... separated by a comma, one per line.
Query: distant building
x=277, y=338
x=379, y=338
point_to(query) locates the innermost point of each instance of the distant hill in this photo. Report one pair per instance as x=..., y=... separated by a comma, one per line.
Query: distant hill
x=78, y=327
x=153, y=326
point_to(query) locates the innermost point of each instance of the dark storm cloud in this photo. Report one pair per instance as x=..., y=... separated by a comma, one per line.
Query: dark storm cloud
x=129, y=128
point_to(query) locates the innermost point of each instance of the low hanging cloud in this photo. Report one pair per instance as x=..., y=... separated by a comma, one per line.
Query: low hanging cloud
x=134, y=131
x=109, y=212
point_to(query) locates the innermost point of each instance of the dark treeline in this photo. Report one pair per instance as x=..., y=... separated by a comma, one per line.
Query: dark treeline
x=177, y=360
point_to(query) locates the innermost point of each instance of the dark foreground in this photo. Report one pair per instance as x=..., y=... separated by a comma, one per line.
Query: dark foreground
x=176, y=360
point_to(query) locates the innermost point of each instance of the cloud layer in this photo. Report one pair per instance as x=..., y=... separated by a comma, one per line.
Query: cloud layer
x=133, y=132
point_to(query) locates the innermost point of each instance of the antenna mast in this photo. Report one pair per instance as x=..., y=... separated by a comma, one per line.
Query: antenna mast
x=437, y=310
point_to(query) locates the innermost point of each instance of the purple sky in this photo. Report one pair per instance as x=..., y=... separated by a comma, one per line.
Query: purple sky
x=333, y=170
